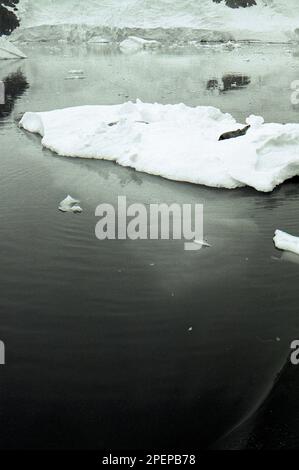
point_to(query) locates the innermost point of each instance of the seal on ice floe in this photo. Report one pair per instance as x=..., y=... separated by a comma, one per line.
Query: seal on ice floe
x=234, y=134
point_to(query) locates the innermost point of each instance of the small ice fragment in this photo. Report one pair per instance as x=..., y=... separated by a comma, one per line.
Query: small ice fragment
x=230, y=46
x=190, y=328
x=284, y=241
x=98, y=40
x=202, y=243
x=70, y=204
x=75, y=75
x=152, y=264
x=134, y=44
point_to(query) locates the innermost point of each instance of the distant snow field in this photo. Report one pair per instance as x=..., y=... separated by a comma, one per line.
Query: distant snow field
x=268, y=20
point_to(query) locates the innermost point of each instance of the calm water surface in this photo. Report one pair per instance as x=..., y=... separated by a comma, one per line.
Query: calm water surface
x=98, y=348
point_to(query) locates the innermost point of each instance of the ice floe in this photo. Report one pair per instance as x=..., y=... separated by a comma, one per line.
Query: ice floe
x=202, y=243
x=134, y=44
x=99, y=40
x=69, y=204
x=75, y=75
x=9, y=50
x=177, y=142
x=284, y=241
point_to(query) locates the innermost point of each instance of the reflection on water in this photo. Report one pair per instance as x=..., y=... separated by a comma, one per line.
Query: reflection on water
x=228, y=82
x=289, y=257
x=15, y=86
x=212, y=84
x=235, y=81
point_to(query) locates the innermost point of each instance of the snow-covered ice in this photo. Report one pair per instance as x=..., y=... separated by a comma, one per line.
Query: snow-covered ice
x=284, y=241
x=133, y=44
x=202, y=243
x=98, y=40
x=69, y=204
x=9, y=50
x=75, y=75
x=76, y=72
x=177, y=142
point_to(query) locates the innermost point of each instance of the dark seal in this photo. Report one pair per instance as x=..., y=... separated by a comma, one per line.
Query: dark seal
x=234, y=134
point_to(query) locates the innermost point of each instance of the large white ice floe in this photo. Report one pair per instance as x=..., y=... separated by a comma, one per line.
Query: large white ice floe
x=284, y=241
x=9, y=51
x=174, y=141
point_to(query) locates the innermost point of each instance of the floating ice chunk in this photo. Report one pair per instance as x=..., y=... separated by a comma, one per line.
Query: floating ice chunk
x=230, y=46
x=76, y=72
x=98, y=40
x=134, y=44
x=202, y=243
x=9, y=51
x=75, y=75
x=284, y=241
x=69, y=204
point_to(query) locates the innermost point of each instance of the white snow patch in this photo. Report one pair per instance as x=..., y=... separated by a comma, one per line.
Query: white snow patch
x=177, y=142
x=284, y=241
x=34, y=124
x=255, y=121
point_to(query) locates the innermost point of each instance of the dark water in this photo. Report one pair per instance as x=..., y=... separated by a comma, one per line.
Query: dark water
x=98, y=348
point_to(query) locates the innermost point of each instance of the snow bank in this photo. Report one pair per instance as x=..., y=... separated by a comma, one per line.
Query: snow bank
x=284, y=241
x=268, y=20
x=174, y=141
x=9, y=51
